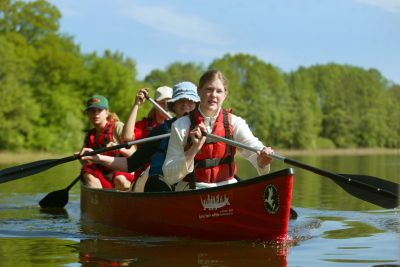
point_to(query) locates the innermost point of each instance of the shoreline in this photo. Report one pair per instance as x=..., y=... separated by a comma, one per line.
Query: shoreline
x=339, y=151
x=14, y=157
x=9, y=157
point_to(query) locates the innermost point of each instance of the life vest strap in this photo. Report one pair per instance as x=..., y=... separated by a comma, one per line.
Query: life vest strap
x=209, y=163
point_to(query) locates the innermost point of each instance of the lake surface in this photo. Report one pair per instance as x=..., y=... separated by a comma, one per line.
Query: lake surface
x=333, y=228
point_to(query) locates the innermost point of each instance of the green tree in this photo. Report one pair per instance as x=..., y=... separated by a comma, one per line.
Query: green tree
x=46, y=86
x=33, y=19
x=174, y=73
x=306, y=111
x=58, y=86
x=19, y=112
x=392, y=117
x=113, y=76
x=354, y=104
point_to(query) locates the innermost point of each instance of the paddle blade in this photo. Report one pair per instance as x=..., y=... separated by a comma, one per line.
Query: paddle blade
x=377, y=191
x=293, y=214
x=59, y=198
x=380, y=192
x=56, y=199
x=32, y=168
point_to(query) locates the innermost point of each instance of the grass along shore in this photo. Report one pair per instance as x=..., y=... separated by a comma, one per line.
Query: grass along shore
x=9, y=157
x=339, y=151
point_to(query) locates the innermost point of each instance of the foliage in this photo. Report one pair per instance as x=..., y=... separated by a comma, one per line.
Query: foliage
x=355, y=104
x=19, y=111
x=113, y=76
x=174, y=73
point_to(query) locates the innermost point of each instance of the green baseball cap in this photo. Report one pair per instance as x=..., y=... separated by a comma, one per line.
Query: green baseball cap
x=97, y=101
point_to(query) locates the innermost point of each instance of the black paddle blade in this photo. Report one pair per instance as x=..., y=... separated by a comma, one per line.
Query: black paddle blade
x=293, y=214
x=56, y=199
x=377, y=191
x=59, y=198
x=32, y=168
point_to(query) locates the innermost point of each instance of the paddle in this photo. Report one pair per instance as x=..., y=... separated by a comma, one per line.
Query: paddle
x=28, y=169
x=377, y=191
x=59, y=198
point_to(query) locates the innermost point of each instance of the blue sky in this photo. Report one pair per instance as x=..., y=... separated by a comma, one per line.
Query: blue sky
x=285, y=33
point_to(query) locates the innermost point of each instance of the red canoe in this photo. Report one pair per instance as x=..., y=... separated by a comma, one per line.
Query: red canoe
x=253, y=209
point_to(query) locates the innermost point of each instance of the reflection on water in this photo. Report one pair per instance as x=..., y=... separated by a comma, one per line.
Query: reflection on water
x=352, y=229
x=178, y=253
x=346, y=238
x=333, y=228
x=102, y=245
x=37, y=252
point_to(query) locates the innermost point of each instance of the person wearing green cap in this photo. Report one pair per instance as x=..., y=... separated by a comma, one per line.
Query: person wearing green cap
x=107, y=131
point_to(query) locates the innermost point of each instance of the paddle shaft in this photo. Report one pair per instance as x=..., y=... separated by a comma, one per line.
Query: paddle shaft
x=304, y=166
x=73, y=183
x=161, y=109
x=128, y=144
x=28, y=169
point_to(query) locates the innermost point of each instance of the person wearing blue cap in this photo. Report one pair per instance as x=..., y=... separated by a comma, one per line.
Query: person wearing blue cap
x=184, y=100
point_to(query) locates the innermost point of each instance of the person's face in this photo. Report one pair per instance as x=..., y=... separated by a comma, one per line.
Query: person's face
x=212, y=96
x=163, y=104
x=183, y=106
x=97, y=116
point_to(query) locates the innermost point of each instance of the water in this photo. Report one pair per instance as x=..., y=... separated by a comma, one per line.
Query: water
x=333, y=228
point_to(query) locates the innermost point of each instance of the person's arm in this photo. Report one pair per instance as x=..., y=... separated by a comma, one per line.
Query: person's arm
x=145, y=151
x=118, y=139
x=242, y=134
x=129, y=127
x=115, y=163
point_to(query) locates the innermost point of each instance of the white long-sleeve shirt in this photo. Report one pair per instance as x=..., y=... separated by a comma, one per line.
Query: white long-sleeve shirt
x=175, y=168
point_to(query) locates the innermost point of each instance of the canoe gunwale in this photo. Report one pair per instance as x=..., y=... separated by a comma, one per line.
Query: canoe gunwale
x=249, y=181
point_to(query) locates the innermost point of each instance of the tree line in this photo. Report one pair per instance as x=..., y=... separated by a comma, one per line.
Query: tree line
x=45, y=80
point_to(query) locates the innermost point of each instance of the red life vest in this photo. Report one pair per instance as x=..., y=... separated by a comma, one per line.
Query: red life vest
x=99, y=171
x=105, y=137
x=215, y=161
x=143, y=127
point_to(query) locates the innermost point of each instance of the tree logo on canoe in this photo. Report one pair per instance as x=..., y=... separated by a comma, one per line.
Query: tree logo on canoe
x=271, y=199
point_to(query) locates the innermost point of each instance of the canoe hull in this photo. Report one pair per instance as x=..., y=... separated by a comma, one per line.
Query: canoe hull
x=254, y=209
